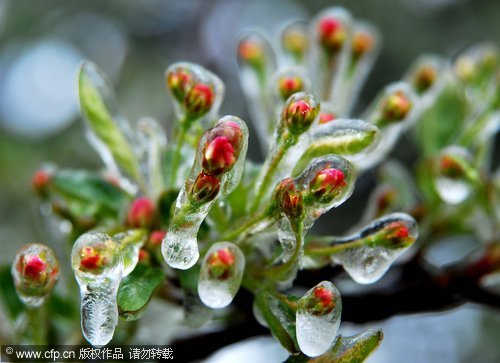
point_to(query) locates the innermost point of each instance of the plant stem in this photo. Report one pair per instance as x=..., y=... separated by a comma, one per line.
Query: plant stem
x=245, y=227
x=331, y=250
x=177, y=153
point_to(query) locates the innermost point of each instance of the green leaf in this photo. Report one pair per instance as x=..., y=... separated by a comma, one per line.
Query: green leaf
x=136, y=290
x=342, y=137
x=97, y=104
x=354, y=349
x=279, y=314
x=8, y=293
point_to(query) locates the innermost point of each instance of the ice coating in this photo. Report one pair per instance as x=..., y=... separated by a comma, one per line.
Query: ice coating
x=318, y=318
x=180, y=246
x=186, y=80
x=287, y=81
x=383, y=241
x=330, y=48
x=130, y=243
x=257, y=63
x=452, y=179
x=35, y=271
x=295, y=42
x=220, y=275
x=334, y=188
x=152, y=142
x=98, y=266
x=390, y=130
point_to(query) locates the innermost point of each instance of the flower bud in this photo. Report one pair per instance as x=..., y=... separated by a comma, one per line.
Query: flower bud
x=332, y=34
x=179, y=81
x=294, y=40
x=397, y=235
x=156, y=237
x=222, y=148
x=141, y=213
x=35, y=271
x=299, y=112
x=290, y=201
x=325, y=117
x=396, y=107
x=251, y=51
x=321, y=301
x=40, y=182
x=287, y=86
x=327, y=184
x=221, y=264
x=205, y=188
x=424, y=78
x=450, y=167
x=144, y=256
x=199, y=100
x=362, y=43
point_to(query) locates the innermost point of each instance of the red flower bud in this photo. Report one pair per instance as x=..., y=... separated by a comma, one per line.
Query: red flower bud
x=450, y=167
x=141, y=213
x=327, y=184
x=199, y=100
x=396, y=107
x=362, y=43
x=424, y=78
x=205, y=188
x=287, y=86
x=156, y=237
x=40, y=181
x=321, y=301
x=397, y=235
x=218, y=156
x=91, y=260
x=332, y=34
x=299, y=112
x=179, y=81
x=290, y=201
x=221, y=263
x=325, y=117
x=144, y=255
x=34, y=268
x=252, y=52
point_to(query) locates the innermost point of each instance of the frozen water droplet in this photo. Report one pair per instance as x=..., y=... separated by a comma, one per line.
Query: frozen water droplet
x=35, y=271
x=383, y=241
x=215, y=173
x=221, y=274
x=130, y=242
x=318, y=318
x=452, y=191
x=98, y=266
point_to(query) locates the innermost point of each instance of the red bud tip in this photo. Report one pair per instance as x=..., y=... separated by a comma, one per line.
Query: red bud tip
x=141, y=213
x=143, y=255
x=362, y=43
x=91, y=260
x=327, y=184
x=325, y=296
x=299, y=114
x=218, y=156
x=179, y=82
x=289, y=85
x=402, y=232
x=397, y=235
x=156, y=237
x=289, y=199
x=332, y=34
x=424, y=78
x=199, y=100
x=205, y=188
x=251, y=51
x=34, y=268
x=450, y=167
x=40, y=181
x=325, y=117
x=396, y=107
x=220, y=263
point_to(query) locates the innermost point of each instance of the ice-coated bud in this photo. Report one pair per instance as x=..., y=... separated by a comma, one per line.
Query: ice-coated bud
x=318, y=319
x=179, y=80
x=332, y=33
x=397, y=235
x=199, y=100
x=220, y=264
x=326, y=117
x=395, y=107
x=223, y=146
x=251, y=51
x=327, y=185
x=40, y=182
x=205, y=188
x=424, y=78
x=299, y=112
x=35, y=271
x=289, y=85
x=450, y=167
x=220, y=275
x=362, y=43
x=290, y=201
x=141, y=213
x=294, y=40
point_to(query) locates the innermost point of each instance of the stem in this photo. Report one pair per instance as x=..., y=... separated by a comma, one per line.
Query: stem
x=245, y=227
x=177, y=153
x=32, y=326
x=267, y=174
x=331, y=250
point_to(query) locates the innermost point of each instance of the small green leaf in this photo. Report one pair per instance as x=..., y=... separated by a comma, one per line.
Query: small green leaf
x=136, y=290
x=13, y=305
x=342, y=137
x=354, y=349
x=279, y=314
x=97, y=104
